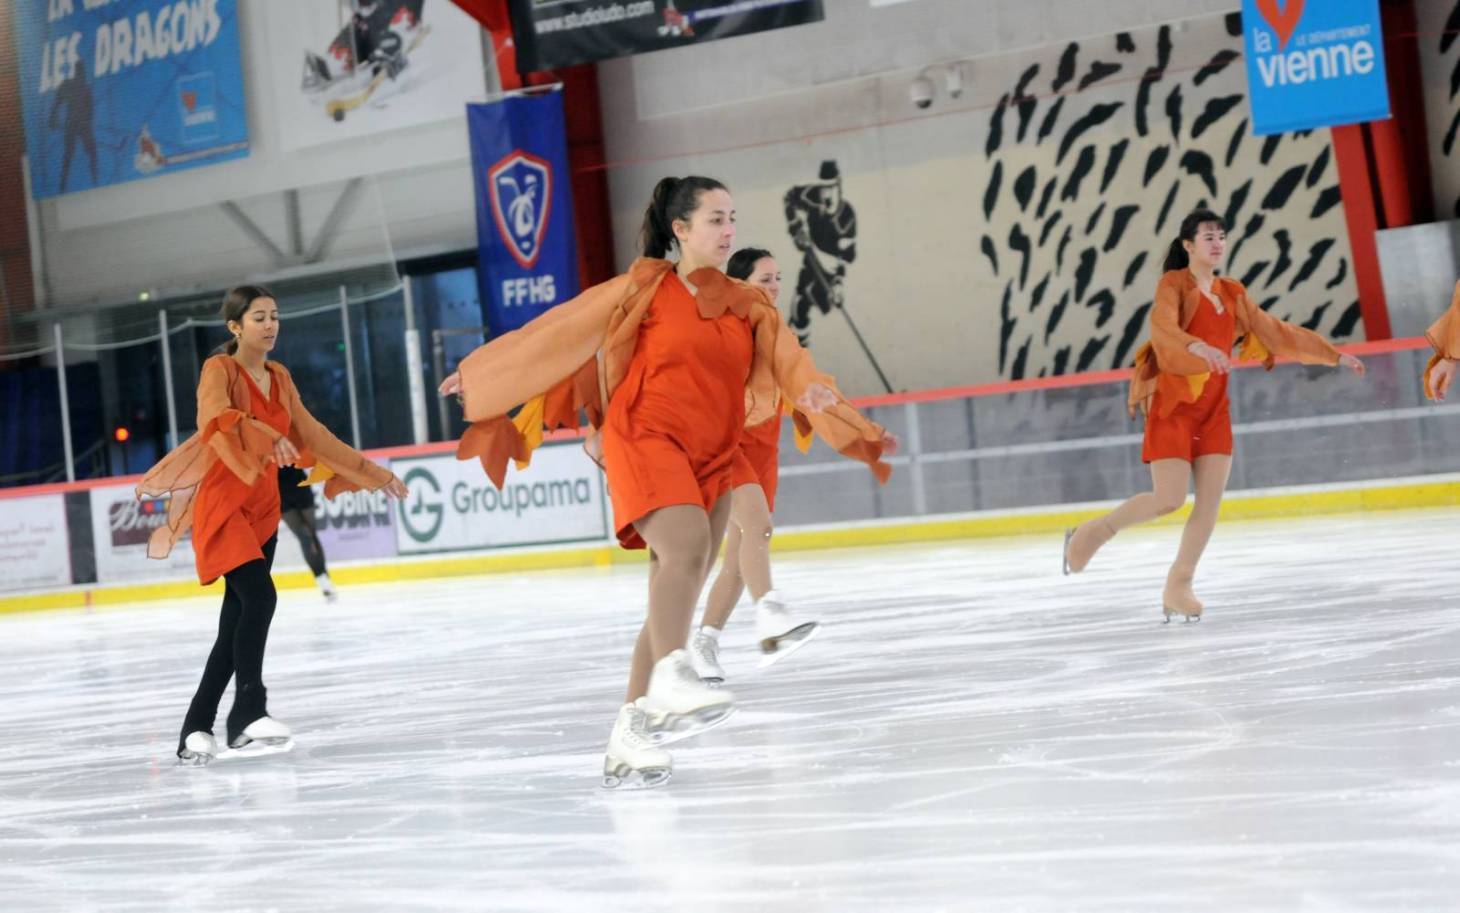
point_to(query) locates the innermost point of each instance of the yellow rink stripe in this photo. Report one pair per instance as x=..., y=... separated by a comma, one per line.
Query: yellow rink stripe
x=1236, y=507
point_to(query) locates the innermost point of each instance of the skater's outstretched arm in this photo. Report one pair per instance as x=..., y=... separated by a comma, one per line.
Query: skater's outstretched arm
x=350, y=469
x=1268, y=338
x=1444, y=336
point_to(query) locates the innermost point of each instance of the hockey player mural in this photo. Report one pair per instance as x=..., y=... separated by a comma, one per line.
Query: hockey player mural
x=374, y=46
x=823, y=226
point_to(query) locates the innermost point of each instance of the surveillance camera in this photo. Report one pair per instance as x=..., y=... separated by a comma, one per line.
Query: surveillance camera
x=921, y=92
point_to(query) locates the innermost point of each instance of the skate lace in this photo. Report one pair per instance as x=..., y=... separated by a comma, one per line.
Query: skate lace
x=706, y=651
x=638, y=726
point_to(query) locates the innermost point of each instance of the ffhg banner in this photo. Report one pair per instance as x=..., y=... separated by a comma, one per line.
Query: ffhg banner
x=527, y=254
x=1314, y=63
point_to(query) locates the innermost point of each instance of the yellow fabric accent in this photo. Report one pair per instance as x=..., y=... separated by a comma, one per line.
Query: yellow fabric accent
x=803, y=441
x=1253, y=349
x=528, y=423
x=1197, y=383
x=318, y=474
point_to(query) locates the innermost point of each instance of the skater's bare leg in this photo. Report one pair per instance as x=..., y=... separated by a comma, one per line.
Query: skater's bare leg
x=682, y=539
x=1169, y=482
x=1211, y=474
x=747, y=555
x=728, y=586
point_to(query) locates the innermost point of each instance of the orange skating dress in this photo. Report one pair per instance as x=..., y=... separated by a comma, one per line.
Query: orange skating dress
x=1186, y=406
x=759, y=462
x=1177, y=430
x=221, y=482
x=673, y=426
x=629, y=355
x=232, y=519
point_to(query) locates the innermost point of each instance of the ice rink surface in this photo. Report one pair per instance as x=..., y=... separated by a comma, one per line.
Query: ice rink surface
x=970, y=732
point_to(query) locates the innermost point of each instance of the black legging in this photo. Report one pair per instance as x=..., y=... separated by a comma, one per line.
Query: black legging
x=301, y=523
x=243, y=631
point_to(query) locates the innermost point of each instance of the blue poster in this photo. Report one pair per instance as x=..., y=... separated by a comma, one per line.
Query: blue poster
x=127, y=89
x=1314, y=63
x=527, y=254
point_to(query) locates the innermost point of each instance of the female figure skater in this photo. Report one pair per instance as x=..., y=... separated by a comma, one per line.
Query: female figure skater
x=223, y=488
x=296, y=505
x=1444, y=336
x=669, y=361
x=748, y=536
x=1180, y=383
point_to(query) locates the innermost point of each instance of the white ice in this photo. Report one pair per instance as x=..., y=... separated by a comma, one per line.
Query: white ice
x=970, y=732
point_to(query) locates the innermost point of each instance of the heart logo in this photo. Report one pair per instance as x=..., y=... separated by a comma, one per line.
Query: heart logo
x=190, y=101
x=1283, y=20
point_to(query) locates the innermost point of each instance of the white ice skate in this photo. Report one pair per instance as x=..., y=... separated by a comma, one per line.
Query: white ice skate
x=778, y=631
x=263, y=736
x=632, y=761
x=704, y=654
x=326, y=588
x=198, y=749
x=679, y=705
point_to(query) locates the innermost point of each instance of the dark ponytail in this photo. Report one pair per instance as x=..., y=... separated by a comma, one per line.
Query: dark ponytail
x=235, y=304
x=1176, y=256
x=674, y=199
x=742, y=262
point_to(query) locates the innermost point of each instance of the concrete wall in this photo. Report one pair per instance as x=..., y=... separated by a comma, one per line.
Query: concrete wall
x=1017, y=230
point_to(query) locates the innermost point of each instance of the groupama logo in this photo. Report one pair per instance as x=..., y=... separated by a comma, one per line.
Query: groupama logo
x=1331, y=53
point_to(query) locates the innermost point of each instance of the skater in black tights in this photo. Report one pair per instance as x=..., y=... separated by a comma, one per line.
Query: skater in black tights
x=296, y=507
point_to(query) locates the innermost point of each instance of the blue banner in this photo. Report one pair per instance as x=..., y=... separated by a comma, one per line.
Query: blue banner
x=1314, y=63
x=127, y=89
x=527, y=254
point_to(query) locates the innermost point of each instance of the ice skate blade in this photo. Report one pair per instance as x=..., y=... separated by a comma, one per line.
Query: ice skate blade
x=193, y=759
x=1065, y=555
x=619, y=775
x=775, y=649
x=256, y=748
x=665, y=729
x=713, y=679
x=1169, y=613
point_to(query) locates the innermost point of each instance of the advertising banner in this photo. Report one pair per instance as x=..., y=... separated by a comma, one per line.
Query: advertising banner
x=345, y=70
x=121, y=90
x=561, y=33
x=527, y=254
x=452, y=505
x=1314, y=63
x=120, y=526
x=35, y=551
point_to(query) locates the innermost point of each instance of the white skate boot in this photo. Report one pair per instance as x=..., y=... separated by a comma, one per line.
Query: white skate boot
x=779, y=633
x=704, y=654
x=198, y=749
x=326, y=588
x=679, y=705
x=264, y=735
x=632, y=761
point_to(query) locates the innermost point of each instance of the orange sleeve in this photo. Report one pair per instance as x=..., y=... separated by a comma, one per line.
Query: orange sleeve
x=550, y=367
x=1444, y=337
x=842, y=426
x=1268, y=337
x=1170, y=343
x=243, y=443
x=347, y=469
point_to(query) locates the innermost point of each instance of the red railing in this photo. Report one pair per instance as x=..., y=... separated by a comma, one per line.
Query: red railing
x=1088, y=379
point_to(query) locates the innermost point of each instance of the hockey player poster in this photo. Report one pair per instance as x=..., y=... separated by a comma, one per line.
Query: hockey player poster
x=527, y=255
x=567, y=32
x=346, y=69
x=126, y=90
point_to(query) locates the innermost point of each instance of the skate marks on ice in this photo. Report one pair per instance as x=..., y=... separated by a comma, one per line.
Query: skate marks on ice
x=970, y=730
